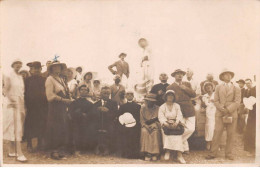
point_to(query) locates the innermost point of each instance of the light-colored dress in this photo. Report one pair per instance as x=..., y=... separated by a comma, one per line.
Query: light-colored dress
x=171, y=142
x=210, y=116
x=13, y=117
x=151, y=141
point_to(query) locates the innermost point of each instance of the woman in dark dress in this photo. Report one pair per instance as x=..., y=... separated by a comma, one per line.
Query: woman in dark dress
x=59, y=99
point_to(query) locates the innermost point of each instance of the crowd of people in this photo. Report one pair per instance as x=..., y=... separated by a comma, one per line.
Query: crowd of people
x=70, y=113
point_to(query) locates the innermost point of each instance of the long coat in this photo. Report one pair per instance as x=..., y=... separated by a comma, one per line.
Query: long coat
x=36, y=105
x=129, y=137
x=105, y=121
x=81, y=127
x=183, y=98
x=250, y=133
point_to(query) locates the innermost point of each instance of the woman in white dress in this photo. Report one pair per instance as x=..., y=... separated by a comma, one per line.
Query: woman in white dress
x=208, y=99
x=14, y=111
x=170, y=113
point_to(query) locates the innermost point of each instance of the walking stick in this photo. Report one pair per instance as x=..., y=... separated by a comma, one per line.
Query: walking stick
x=15, y=132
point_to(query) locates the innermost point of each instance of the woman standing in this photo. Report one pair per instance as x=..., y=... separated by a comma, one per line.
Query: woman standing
x=72, y=82
x=14, y=112
x=208, y=99
x=150, y=129
x=170, y=116
x=87, y=80
x=58, y=100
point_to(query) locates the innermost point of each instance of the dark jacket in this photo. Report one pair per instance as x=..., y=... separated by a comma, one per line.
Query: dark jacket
x=155, y=89
x=183, y=98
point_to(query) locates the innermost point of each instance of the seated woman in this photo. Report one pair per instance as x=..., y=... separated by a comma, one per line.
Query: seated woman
x=170, y=116
x=150, y=129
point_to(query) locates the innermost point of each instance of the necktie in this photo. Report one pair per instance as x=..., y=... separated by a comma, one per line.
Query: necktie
x=226, y=87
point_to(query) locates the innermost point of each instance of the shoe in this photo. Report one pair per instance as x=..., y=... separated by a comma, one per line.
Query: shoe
x=249, y=154
x=208, y=146
x=55, y=155
x=154, y=158
x=230, y=157
x=12, y=154
x=181, y=160
x=21, y=158
x=167, y=156
x=147, y=158
x=210, y=157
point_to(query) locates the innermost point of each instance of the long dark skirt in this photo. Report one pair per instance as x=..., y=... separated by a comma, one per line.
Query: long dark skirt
x=129, y=141
x=250, y=133
x=35, y=120
x=57, y=132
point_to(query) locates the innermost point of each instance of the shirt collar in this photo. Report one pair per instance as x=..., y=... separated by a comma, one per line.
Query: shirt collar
x=229, y=84
x=178, y=82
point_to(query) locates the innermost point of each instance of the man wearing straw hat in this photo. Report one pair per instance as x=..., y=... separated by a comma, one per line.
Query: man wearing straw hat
x=227, y=100
x=184, y=93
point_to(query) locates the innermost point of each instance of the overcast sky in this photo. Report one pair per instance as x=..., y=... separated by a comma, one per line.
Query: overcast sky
x=205, y=36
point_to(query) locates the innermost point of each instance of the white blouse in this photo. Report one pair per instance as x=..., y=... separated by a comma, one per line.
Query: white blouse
x=166, y=114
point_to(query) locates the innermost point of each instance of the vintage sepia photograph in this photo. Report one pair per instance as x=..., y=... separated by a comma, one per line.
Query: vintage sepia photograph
x=129, y=82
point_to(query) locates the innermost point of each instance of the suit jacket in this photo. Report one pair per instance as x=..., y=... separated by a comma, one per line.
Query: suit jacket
x=230, y=99
x=121, y=68
x=105, y=120
x=183, y=98
x=243, y=94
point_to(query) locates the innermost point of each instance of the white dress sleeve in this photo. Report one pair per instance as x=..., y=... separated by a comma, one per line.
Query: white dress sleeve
x=161, y=114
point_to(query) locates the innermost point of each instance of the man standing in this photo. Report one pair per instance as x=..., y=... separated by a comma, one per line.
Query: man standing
x=79, y=74
x=37, y=106
x=227, y=100
x=250, y=132
x=105, y=112
x=117, y=91
x=184, y=93
x=242, y=112
x=160, y=89
x=122, y=68
x=210, y=78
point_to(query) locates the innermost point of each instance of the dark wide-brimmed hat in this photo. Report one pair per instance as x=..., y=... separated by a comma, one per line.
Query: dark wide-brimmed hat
x=208, y=84
x=167, y=93
x=36, y=64
x=178, y=71
x=56, y=63
x=241, y=81
x=151, y=97
x=224, y=71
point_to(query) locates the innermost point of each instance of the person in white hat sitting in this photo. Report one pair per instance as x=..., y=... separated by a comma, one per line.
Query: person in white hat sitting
x=227, y=100
x=129, y=128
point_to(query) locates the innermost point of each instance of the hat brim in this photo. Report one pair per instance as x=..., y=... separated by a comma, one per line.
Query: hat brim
x=221, y=75
x=208, y=83
x=63, y=66
x=174, y=73
x=165, y=95
x=241, y=82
